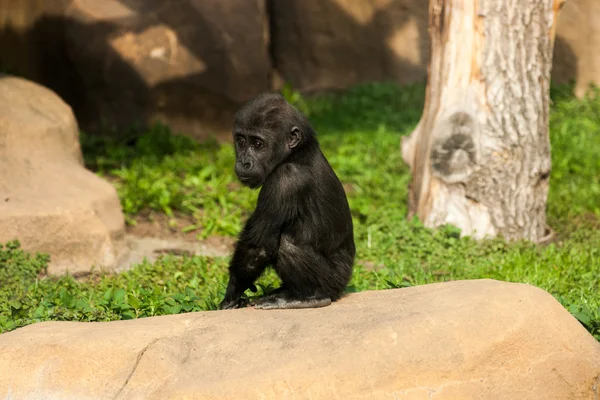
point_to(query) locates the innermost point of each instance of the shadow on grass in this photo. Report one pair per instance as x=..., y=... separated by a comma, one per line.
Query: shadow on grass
x=364, y=109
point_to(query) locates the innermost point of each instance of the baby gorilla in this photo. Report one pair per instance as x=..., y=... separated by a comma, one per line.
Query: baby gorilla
x=302, y=224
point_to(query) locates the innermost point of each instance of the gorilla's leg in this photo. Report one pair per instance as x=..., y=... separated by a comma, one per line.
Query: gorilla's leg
x=286, y=300
x=309, y=280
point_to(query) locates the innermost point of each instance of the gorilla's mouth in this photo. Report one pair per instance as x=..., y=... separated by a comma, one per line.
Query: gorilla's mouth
x=251, y=181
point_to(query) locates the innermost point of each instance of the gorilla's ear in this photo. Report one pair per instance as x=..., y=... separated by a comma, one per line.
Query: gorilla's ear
x=294, y=137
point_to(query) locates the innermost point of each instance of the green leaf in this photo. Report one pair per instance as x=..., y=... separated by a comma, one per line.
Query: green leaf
x=118, y=296
x=134, y=302
x=174, y=309
x=15, y=304
x=65, y=297
x=128, y=315
x=584, y=318
x=108, y=294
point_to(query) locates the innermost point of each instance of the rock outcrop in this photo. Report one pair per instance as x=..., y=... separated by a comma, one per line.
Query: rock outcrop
x=325, y=44
x=576, y=56
x=457, y=340
x=339, y=43
x=186, y=63
x=48, y=200
x=189, y=63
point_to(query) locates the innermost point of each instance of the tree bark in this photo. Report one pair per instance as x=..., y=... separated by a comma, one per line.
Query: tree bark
x=480, y=155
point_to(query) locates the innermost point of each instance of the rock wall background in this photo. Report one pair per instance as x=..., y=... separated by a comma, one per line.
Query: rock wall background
x=191, y=63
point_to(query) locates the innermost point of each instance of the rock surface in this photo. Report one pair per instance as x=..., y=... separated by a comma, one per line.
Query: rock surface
x=338, y=43
x=48, y=200
x=186, y=63
x=576, y=55
x=457, y=340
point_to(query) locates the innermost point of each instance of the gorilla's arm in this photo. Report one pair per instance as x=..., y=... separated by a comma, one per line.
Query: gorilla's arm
x=278, y=203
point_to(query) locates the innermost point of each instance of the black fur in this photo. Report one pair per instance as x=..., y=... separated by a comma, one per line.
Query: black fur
x=302, y=224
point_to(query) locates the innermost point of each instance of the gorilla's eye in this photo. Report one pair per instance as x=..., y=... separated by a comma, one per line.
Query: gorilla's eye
x=240, y=140
x=257, y=144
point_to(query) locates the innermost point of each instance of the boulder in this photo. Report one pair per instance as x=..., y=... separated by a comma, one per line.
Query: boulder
x=576, y=56
x=335, y=44
x=186, y=63
x=48, y=200
x=457, y=340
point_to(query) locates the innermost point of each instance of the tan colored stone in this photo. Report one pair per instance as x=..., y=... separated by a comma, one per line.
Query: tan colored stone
x=48, y=200
x=576, y=55
x=321, y=45
x=336, y=44
x=457, y=340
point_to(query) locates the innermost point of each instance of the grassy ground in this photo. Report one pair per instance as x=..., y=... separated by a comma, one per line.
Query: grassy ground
x=360, y=132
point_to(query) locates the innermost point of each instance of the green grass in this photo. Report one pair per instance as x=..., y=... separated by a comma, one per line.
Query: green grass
x=360, y=133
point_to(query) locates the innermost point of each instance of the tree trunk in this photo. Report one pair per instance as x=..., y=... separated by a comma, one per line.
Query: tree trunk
x=480, y=155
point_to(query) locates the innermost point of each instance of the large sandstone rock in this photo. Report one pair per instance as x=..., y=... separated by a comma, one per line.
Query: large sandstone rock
x=338, y=43
x=459, y=340
x=48, y=200
x=576, y=55
x=187, y=63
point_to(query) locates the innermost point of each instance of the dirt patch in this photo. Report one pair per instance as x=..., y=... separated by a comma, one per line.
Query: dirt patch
x=158, y=225
x=155, y=234
x=178, y=227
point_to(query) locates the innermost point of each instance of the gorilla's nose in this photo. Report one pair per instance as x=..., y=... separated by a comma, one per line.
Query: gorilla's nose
x=246, y=165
